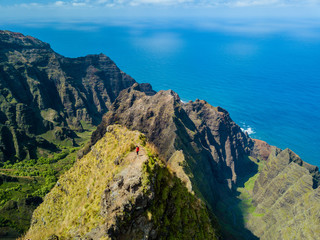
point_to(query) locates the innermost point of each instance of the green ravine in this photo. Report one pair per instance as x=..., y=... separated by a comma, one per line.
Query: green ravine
x=30, y=180
x=246, y=192
x=284, y=202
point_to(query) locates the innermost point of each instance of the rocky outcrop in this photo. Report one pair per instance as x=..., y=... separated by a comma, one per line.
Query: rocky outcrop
x=197, y=128
x=209, y=147
x=211, y=155
x=41, y=90
x=113, y=193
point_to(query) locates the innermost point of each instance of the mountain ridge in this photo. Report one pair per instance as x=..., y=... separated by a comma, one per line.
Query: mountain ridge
x=194, y=131
x=49, y=105
x=208, y=162
x=136, y=196
x=41, y=91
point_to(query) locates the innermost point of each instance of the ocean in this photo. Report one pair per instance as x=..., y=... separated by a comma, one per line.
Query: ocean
x=267, y=79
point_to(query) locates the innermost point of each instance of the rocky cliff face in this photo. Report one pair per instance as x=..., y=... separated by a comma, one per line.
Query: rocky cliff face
x=195, y=127
x=217, y=161
x=194, y=151
x=199, y=142
x=43, y=91
x=113, y=193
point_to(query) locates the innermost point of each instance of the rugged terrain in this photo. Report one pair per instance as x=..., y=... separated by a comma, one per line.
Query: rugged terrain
x=239, y=178
x=286, y=199
x=49, y=105
x=46, y=97
x=113, y=193
x=201, y=143
x=197, y=176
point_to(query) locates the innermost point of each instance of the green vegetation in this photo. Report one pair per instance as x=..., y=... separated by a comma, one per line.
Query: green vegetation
x=143, y=139
x=176, y=212
x=81, y=188
x=22, y=182
x=246, y=193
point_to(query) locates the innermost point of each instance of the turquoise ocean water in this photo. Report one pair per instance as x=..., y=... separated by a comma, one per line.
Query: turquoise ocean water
x=269, y=81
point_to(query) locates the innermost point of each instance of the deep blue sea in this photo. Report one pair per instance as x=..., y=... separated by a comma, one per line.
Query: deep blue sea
x=268, y=79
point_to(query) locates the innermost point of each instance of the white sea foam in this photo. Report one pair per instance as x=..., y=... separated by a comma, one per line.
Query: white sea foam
x=248, y=130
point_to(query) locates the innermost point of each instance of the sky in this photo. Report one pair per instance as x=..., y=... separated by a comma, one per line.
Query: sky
x=256, y=16
x=95, y=10
x=206, y=3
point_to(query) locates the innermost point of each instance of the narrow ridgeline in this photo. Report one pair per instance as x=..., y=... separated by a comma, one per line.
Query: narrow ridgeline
x=113, y=193
x=246, y=183
x=197, y=175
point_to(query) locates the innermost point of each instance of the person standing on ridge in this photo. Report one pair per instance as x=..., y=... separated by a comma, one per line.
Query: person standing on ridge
x=137, y=150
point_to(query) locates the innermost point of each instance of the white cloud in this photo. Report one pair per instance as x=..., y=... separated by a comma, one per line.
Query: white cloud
x=59, y=3
x=224, y=16
x=79, y=4
x=248, y=3
x=28, y=5
x=198, y=3
x=159, y=2
x=194, y=3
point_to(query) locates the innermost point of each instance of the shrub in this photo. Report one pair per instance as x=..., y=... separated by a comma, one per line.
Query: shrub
x=143, y=139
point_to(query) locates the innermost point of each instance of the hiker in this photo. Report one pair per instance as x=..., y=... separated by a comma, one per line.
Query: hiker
x=137, y=150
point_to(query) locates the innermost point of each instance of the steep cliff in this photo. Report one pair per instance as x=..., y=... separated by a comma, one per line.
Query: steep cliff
x=195, y=127
x=220, y=163
x=285, y=199
x=113, y=193
x=197, y=169
x=45, y=97
x=49, y=104
x=201, y=143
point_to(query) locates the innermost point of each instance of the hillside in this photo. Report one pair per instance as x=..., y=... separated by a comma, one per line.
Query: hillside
x=46, y=98
x=197, y=176
x=285, y=199
x=113, y=193
x=49, y=105
x=221, y=164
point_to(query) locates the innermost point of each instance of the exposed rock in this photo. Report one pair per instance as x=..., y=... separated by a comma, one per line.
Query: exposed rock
x=113, y=193
x=261, y=150
x=138, y=199
x=172, y=126
x=205, y=149
x=42, y=90
x=176, y=164
x=214, y=150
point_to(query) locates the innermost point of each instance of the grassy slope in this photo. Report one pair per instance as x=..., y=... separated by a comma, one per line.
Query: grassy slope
x=287, y=205
x=175, y=212
x=33, y=178
x=81, y=213
x=189, y=218
x=245, y=193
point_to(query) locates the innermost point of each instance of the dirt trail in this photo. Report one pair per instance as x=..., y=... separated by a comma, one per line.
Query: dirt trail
x=135, y=160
